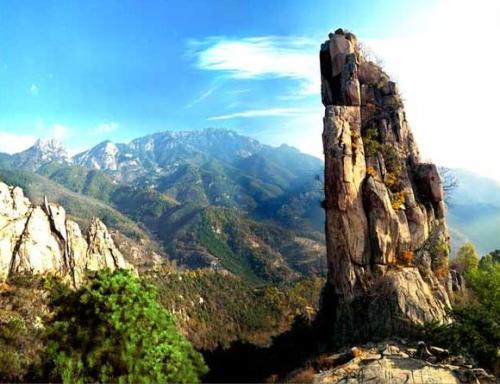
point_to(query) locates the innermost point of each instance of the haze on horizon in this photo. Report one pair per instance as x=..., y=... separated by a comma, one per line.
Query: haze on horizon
x=86, y=72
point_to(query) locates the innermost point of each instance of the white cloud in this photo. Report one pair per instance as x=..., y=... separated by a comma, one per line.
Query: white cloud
x=302, y=131
x=59, y=132
x=34, y=90
x=12, y=143
x=446, y=67
x=262, y=57
x=106, y=127
x=56, y=131
x=262, y=113
x=449, y=78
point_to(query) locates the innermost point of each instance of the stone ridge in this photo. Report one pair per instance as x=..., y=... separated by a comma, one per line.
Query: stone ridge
x=41, y=239
x=387, y=238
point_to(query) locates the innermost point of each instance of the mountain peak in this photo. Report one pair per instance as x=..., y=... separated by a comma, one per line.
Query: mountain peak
x=163, y=150
x=103, y=156
x=49, y=146
x=40, y=153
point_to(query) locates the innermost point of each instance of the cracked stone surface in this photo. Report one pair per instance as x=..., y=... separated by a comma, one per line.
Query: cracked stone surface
x=40, y=239
x=386, y=233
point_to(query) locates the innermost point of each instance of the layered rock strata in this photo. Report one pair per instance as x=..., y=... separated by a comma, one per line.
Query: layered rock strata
x=387, y=238
x=41, y=239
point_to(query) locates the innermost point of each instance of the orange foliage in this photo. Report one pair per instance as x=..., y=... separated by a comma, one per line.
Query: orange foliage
x=371, y=171
x=356, y=352
x=398, y=200
x=407, y=257
x=441, y=272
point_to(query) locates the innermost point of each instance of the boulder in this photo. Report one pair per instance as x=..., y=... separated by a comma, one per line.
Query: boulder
x=429, y=182
x=38, y=250
x=102, y=252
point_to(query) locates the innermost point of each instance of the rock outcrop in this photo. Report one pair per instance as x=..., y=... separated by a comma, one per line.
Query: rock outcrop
x=387, y=239
x=392, y=362
x=41, y=239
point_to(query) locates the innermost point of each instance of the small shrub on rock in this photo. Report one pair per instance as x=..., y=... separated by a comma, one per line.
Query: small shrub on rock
x=370, y=142
x=398, y=200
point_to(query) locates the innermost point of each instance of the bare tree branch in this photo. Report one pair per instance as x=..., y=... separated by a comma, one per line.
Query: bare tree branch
x=450, y=182
x=370, y=55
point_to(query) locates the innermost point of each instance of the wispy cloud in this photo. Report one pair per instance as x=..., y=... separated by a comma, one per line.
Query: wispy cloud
x=59, y=131
x=105, y=127
x=12, y=143
x=34, y=90
x=205, y=94
x=262, y=113
x=237, y=91
x=56, y=131
x=261, y=57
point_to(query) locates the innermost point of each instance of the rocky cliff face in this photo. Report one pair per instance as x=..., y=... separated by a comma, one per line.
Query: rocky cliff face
x=387, y=239
x=41, y=239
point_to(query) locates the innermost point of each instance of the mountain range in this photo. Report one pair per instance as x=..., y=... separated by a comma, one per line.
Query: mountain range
x=209, y=198
x=214, y=198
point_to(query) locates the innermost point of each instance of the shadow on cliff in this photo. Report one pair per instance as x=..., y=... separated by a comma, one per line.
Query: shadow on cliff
x=248, y=363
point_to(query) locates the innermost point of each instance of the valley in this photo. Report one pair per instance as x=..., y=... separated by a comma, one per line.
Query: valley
x=249, y=192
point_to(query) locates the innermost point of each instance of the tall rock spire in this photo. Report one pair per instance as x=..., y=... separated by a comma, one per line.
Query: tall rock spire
x=387, y=239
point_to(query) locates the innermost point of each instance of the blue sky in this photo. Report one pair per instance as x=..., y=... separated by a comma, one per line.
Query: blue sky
x=88, y=71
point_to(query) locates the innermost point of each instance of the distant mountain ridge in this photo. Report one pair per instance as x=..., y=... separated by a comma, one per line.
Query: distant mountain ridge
x=190, y=165
x=474, y=211
x=161, y=150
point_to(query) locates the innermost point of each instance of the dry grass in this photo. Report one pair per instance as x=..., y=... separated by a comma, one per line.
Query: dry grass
x=407, y=257
x=356, y=352
x=304, y=376
x=371, y=171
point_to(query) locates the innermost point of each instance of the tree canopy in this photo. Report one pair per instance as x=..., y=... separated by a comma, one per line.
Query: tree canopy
x=476, y=326
x=113, y=330
x=467, y=258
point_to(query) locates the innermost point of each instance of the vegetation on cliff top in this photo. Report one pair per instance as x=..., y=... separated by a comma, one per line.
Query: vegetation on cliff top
x=211, y=309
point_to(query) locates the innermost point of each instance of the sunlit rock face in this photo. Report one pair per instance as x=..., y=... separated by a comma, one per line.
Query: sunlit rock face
x=393, y=362
x=41, y=239
x=387, y=238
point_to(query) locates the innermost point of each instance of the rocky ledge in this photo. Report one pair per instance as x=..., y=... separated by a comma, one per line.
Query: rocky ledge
x=41, y=239
x=395, y=362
